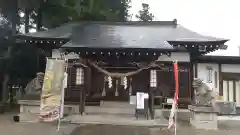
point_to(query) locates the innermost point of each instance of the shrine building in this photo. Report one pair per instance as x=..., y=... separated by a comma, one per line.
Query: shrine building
x=111, y=61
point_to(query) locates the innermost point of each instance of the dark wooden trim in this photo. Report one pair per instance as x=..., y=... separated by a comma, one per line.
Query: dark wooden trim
x=234, y=91
x=218, y=59
x=220, y=80
x=171, y=62
x=191, y=77
x=215, y=79
x=227, y=89
x=151, y=103
x=44, y=39
x=196, y=70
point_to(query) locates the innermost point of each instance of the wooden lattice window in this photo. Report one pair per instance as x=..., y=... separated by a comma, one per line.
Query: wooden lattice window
x=79, y=76
x=153, y=78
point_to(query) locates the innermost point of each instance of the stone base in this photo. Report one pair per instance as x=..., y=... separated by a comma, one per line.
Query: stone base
x=29, y=110
x=203, y=117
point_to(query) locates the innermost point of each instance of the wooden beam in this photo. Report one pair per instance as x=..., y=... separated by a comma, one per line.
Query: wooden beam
x=220, y=80
x=196, y=70
x=191, y=77
x=151, y=103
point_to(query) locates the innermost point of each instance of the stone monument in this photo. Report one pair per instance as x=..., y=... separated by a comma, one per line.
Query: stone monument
x=30, y=102
x=203, y=114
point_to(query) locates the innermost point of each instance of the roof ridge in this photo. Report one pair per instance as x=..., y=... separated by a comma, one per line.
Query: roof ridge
x=194, y=32
x=173, y=23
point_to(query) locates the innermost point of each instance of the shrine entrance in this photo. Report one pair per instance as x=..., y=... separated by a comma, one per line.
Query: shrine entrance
x=114, y=83
x=117, y=92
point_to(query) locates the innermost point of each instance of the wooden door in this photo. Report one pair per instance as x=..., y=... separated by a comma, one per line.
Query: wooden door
x=140, y=82
x=72, y=92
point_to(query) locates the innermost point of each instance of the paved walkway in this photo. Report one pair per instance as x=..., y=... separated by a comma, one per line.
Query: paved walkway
x=133, y=130
x=8, y=127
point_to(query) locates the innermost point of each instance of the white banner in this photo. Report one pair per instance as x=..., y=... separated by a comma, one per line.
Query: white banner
x=53, y=91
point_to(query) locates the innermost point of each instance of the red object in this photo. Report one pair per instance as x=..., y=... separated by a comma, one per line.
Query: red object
x=175, y=100
x=175, y=65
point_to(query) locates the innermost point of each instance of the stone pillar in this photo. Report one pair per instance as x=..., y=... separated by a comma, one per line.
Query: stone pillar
x=203, y=117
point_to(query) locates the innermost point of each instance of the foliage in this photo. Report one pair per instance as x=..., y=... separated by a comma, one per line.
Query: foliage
x=144, y=14
x=56, y=12
x=15, y=63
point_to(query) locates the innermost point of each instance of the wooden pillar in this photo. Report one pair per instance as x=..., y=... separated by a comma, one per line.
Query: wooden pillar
x=192, y=74
x=87, y=86
x=82, y=93
x=190, y=78
x=151, y=102
x=220, y=79
x=81, y=103
x=195, y=70
x=151, y=95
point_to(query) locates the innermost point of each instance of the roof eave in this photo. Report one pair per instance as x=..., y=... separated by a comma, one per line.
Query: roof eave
x=221, y=41
x=27, y=37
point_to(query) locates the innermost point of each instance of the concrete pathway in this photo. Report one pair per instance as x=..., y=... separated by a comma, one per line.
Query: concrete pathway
x=135, y=130
x=8, y=127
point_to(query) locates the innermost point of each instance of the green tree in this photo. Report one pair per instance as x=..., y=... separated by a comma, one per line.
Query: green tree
x=144, y=14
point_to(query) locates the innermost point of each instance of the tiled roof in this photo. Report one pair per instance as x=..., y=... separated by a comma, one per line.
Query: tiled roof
x=153, y=35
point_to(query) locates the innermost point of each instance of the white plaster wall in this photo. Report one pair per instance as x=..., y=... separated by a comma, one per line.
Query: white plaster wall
x=56, y=54
x=202, y=73
x=231, y=68
x=179, y=56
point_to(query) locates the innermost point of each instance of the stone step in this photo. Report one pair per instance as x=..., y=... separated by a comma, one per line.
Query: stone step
x=108, y=110
x=112, y=104
x=116, y=120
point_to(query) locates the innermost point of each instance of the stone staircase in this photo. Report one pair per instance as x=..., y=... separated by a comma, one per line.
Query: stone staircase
x=111, y=108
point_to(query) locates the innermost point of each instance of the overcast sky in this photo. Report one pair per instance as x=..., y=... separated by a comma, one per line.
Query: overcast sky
x=219, y=18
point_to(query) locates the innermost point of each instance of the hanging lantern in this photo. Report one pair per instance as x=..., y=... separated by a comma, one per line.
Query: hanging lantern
x=110, y=82
x=125, y=82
